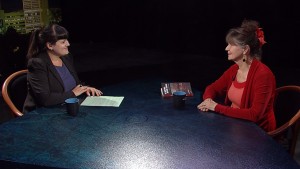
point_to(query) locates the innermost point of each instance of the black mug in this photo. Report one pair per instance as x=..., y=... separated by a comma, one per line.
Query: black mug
x=72, y=106
x=179, y=98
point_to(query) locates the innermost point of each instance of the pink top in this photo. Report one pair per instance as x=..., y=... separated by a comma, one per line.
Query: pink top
x=235, y=93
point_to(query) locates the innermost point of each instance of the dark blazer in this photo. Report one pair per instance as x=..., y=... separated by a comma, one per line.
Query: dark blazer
x=45, y=86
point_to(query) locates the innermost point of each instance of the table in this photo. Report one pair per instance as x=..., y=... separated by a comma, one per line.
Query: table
x=144, y=132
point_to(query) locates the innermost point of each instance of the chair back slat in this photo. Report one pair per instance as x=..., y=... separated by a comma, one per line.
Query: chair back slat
x=14, y=91
x=287, y=114
x=18, y=90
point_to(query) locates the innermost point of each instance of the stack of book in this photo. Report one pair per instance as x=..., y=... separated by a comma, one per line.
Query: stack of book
x=167, y=89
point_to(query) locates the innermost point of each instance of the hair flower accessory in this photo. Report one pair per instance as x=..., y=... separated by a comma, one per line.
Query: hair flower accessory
x=260, y=36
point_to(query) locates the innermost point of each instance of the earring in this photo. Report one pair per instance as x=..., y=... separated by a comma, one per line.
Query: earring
x=244, y=60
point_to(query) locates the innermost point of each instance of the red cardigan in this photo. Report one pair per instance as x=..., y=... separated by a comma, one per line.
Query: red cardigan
x=257, y=99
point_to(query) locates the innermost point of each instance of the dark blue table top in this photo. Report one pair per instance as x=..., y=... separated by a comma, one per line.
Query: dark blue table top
x=144, y=132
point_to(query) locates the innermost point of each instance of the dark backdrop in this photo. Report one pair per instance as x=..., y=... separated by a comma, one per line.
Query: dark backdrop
x=184, y=26
x=180, y=26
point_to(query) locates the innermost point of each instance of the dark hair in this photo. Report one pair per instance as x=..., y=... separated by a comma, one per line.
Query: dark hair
x=39, y=37
x=246, y=35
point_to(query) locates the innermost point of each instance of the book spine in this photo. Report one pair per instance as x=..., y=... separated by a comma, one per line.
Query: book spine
x=165, y=90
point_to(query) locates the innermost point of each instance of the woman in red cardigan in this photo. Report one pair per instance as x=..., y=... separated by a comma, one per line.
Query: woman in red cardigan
x=248, y=85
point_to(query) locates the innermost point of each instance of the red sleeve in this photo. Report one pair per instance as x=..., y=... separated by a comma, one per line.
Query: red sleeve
x=221, y=85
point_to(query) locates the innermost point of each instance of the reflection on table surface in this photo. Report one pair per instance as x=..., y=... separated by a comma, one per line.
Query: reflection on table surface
x=144, y=132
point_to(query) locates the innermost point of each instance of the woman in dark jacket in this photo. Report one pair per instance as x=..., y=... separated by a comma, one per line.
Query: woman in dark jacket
x=51, y=74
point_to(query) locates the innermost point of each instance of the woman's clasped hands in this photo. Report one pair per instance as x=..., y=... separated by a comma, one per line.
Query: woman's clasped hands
x=207, y=104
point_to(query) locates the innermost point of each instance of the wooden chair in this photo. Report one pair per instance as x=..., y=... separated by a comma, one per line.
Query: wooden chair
x=287, y=114
x=14, y=91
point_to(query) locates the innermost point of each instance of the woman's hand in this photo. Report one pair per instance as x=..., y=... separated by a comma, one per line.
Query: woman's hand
x=93, y=92
x=79, y=89
x=207, y=104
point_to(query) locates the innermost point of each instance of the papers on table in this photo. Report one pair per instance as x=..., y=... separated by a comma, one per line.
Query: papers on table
x=111, y=101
